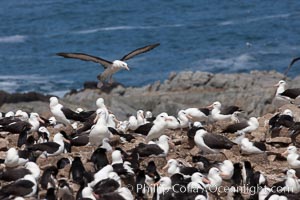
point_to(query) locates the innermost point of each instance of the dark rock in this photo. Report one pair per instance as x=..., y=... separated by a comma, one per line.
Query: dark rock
x=22, y=97
x=90, y=85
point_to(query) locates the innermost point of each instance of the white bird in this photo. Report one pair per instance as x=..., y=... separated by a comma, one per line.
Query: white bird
x=56, y=110
x=24, y=187
x=112, y=121
x=106, y=145
x=183, y=119
x=197, y=114
x=291, y=183
x=34, y=169
x=293, y=158
x=9, y=114
x=34, y=120
x=101, y=175
x=22, y=115
x=210, y=142
x=243, y=127
x=110, y=67
x=248, y=147
x=197, y=180
x=100, y=104
x=226, y=113
x=214, y=176
x=156, y=128
x=148, y=114
x=140, y=117
x=227, y=169
x=133, y=124
x=100, y=130
x=87, y=193
x=12, y=158
x=286, y=94
x=173, y=123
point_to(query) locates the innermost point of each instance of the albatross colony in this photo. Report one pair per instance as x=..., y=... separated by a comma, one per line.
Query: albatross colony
x=80, y=154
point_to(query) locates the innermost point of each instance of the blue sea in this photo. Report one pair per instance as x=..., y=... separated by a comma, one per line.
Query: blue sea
x=214, y=36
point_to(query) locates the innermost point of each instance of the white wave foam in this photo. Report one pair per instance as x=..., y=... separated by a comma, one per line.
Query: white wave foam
x=33, y=82
x=241, y=62
x=13, y=39
x=255, y=19
x=59, y=93
x=116, y=28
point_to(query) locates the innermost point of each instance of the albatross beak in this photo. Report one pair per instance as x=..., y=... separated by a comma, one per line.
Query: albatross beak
x=96, y=119
x=210, y=106
x=41, y=120
x=155, y=184
x=189, y=116
x=67, y=141
x=205, y=180
x=168, y=119
x=222, y=174
x=284, y=153
x=116, y=121
x=276, y=85
x=127, y=68
x=166, y=166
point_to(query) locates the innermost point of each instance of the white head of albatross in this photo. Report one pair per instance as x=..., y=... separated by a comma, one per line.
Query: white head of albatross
x=53, y=101
x=148, y=114
x=163, y=143
x=10, y=114
x=12, y=158
x=227, y=169
x=214, y=176
x=183, y=119
x=100, y=104
x=118, y=64
x=140, y=117
x=216, y=112
x=196, y=179
x=200, y=197
x=100, y=130
x=34, y=169
x=116, y=157
x=35, y=120
x=164, y=183
x=87, y=193
x=112, y=121
x=288, y=112
x=22, y=115
x=159, y=126
x=172, y=166
x=280, y=87
x=292, y=157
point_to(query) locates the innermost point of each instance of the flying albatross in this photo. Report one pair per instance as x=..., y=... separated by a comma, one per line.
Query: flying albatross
x=110, y=67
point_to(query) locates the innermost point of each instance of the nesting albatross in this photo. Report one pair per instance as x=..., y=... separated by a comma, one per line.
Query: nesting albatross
x=110, y=67
x=210, y=142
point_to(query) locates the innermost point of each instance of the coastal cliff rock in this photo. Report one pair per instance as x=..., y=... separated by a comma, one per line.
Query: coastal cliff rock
x=253, y=92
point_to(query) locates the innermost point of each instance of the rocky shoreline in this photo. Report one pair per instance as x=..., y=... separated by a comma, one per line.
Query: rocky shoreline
x=252, y=91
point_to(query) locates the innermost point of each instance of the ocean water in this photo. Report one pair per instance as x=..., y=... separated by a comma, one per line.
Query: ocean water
x=213, y=36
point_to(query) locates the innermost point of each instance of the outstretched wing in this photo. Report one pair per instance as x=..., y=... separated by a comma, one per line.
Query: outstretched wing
x=139, y=51
x=86, y=57
x=290, y=65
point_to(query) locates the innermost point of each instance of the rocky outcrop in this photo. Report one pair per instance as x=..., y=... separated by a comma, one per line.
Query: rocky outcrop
x=21, y=97
x=251, y=91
